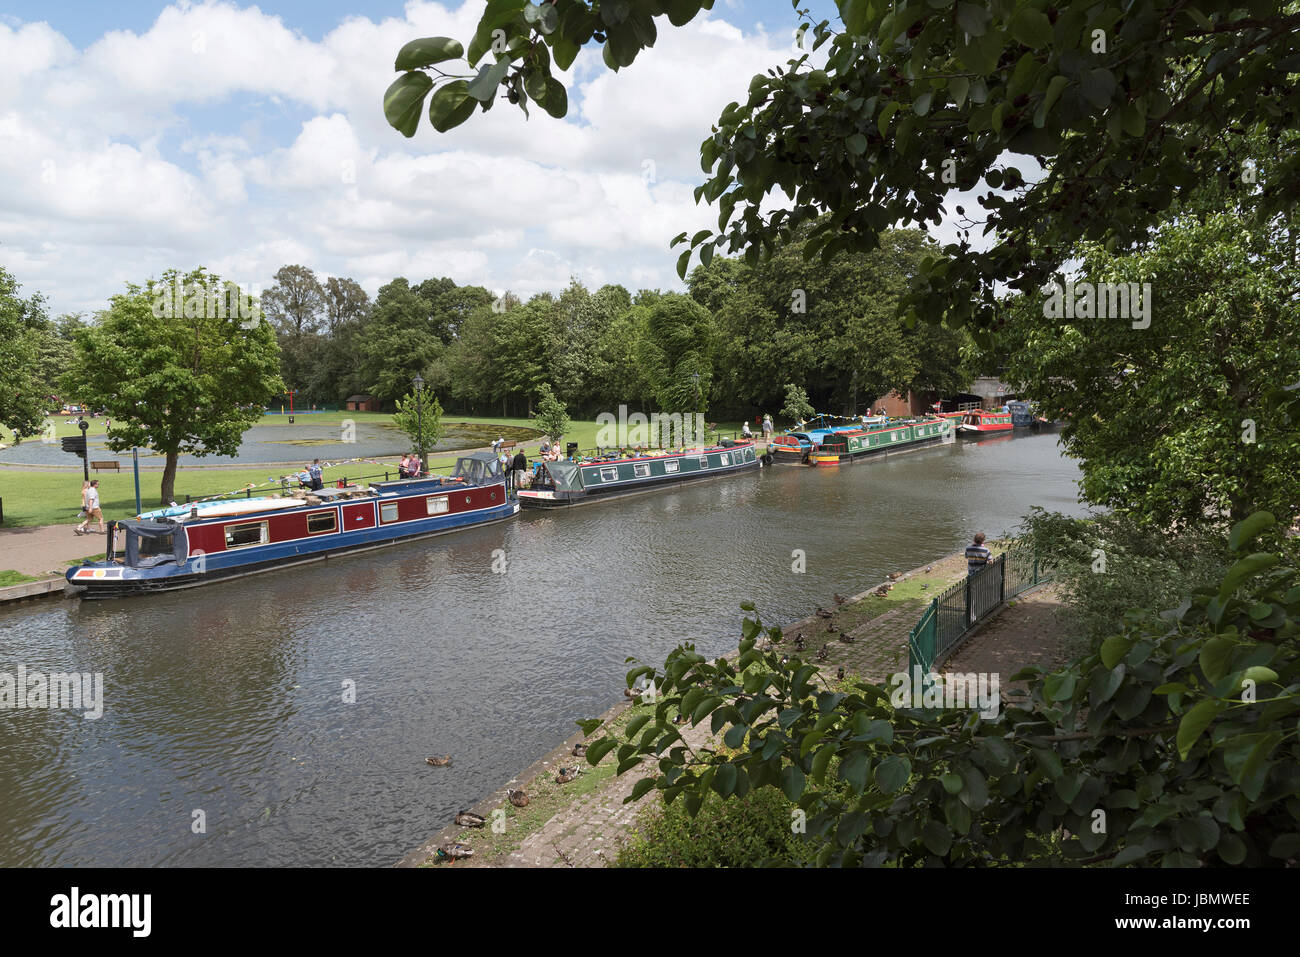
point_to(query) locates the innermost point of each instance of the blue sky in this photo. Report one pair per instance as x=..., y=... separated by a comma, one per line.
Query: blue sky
x=137, y=137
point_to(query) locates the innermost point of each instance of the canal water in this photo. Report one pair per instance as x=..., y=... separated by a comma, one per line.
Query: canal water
x=226, y=740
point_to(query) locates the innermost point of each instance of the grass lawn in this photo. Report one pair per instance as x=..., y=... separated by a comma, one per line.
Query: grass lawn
x=8, y=577
x=52, y=497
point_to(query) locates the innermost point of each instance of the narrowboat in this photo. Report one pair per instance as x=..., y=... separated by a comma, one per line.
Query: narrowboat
x=797, y=446
x=556, y=484
x=186, y=546
x=984, y=421
x=847, y=444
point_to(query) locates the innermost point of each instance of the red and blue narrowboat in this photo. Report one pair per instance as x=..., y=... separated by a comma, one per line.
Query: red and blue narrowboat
x=190, y=545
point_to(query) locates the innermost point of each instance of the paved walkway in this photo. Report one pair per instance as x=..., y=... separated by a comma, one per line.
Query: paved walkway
x=1026, y=632
x=46, y=549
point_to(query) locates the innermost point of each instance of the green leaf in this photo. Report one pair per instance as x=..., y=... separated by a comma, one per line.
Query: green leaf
x=1113, y=650
x=598, y=749
x=1248, y=529
x=724, y=782
x=893, y=773
x=426, y=52
x=1097, y=87
x=404, y=101
x=792, y=781
x=1031, y=28
x=1195, y=722
x=973, y=19
x=854, y=770
x=637, y=723
x=557, y=98
x=641, y=789
x=563, y=51
x=958, y=87
x=937, y=838
x=1215, y=656
x=735, y=735
x=1285, y=846
x=951, y=782
x=484, y=86
x=857, y=144
x=921, y=105
x=451, y=105
x=887, y=114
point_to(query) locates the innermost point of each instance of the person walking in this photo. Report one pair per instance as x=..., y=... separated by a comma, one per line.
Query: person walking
x=317, y=475
x=93, y=512
x=85, y=508
x=767, y=429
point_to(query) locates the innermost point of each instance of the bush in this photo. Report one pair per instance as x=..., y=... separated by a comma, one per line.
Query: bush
x=1109, y=565
x=752, y=832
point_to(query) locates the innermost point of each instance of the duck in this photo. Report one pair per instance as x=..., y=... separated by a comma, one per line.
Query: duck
x=442, y=762
x=455, y=851
x=567, y=774
x=518, y=798
x=830, y=627
x=823, y=654
x=630, y=693
x=681, y=718
x=840, y=673
x=798, y=643
x=882, y=591
x=928, y=569
x=579, y=750
x=785, y=659
x=470, y=819
x=839, y=599
x=823, y=613
x=847, y=638
x=894, y=576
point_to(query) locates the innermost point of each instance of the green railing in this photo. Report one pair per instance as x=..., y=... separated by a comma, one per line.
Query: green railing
x=951, y=616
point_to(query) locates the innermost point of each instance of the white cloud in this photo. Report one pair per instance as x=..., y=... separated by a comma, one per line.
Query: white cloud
x=224, y=136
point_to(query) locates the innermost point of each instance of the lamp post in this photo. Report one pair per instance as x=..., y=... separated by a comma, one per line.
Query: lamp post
x=419, y=421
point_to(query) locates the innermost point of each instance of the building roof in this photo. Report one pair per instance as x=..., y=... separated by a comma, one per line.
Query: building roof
x=360, y=398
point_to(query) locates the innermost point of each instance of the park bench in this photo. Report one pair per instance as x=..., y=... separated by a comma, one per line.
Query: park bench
x=113, y=464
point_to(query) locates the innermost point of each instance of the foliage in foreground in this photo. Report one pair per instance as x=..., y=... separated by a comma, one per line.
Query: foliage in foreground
x=1110, y=564
x=1174, y=744
x=722, y=834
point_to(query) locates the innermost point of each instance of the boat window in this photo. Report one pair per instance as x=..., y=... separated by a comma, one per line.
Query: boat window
x=388, y=512
x=238, y=536
x=704, y=461
x=671, y=465
x=609, y=475
x=320, y=522
x=153, y=547
x=641, y=469
x=436, y=504
x=724, y=458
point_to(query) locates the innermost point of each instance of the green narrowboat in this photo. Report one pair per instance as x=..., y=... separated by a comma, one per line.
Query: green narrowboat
x=557, y=484
x=845, y=445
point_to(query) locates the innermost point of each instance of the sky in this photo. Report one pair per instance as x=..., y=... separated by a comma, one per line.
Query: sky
x=137, y=137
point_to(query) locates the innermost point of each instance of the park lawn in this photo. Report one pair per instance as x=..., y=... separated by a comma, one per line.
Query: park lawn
x=52, y=497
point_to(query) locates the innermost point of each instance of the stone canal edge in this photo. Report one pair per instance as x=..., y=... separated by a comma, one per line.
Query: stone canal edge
x=584, y=822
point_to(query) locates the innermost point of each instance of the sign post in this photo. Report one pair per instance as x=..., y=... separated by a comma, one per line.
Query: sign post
x=85, y=458
x=135, y=464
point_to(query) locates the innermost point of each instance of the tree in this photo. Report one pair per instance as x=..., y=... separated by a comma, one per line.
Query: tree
x=1122, y=105
x=421, y=419
x=295, y=302
x=551, y=416
x=1173, y=743
x=401, y=341
x=1165, y=404
x=797, y=408
x=677, y=353
x=345, y=302
x=178, y=382
x=23, y=392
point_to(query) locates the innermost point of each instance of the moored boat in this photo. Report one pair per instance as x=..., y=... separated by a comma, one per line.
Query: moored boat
x=983, y=421
x=847, y=444
x=557, y=484
x=185, y=546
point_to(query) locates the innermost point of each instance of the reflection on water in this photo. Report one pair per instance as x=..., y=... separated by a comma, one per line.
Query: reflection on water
x=229, y=698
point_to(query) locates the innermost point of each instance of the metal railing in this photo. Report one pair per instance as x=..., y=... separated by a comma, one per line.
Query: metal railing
x=951, y=616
